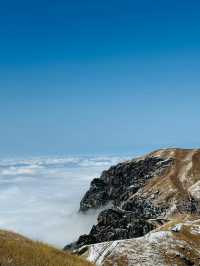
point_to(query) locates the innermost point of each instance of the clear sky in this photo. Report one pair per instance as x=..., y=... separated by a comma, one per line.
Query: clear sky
x=106, y=76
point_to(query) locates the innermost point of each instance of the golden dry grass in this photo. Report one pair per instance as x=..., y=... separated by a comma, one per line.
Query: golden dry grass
x=16, y=250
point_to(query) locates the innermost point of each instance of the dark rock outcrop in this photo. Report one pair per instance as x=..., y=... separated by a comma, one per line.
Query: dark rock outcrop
x=127, y=218
x=114, y=224
x=120, y=181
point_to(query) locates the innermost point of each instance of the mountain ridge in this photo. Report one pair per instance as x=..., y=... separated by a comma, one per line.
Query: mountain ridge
x=146, y=193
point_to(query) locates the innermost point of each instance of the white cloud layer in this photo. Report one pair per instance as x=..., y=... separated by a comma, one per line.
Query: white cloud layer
x=40, y=197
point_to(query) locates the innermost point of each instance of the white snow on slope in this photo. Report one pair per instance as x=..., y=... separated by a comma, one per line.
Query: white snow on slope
x=149, y=250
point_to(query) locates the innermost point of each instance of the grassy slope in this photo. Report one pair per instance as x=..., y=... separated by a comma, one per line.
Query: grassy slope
x=16, y=250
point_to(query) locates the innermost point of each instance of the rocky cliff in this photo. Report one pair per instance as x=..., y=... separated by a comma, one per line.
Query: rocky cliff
x=145, y=193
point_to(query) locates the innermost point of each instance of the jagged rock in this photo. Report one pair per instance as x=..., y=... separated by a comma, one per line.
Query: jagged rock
x=121, y=181
x=114, y=224
x=145, y=193
x=142, y=208
x=96, y=197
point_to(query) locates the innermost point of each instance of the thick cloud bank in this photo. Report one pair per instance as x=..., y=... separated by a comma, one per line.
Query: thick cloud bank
x=40, y=197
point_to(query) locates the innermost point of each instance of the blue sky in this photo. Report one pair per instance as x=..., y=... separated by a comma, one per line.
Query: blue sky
x=85, y=77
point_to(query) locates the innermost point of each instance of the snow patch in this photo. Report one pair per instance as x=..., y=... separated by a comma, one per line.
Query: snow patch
x=177, y=228
x=195, y=190
x=195, y=230
x=157, y=236
x=98, y=252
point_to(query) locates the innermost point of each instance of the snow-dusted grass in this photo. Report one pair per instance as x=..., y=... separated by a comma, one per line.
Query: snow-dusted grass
x=175, y=243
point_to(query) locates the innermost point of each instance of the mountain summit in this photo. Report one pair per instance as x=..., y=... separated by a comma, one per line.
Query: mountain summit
x=152, y=197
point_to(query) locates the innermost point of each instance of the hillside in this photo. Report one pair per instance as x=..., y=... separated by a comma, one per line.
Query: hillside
x=176, y=243
x=146, y=196
x=16, y=250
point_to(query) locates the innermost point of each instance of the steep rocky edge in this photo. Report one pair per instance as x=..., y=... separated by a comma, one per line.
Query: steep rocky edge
x=145, y=194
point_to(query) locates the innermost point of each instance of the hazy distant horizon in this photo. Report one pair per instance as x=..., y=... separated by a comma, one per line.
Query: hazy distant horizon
x=118, y=153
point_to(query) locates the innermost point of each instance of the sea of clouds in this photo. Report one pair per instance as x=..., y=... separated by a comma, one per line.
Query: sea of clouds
x=39, y=197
